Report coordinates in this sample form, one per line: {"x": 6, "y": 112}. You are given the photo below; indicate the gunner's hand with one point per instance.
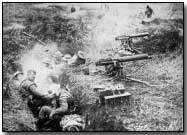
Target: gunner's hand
{"x": 49, "y": 96}
{"x": 51, "y": 116}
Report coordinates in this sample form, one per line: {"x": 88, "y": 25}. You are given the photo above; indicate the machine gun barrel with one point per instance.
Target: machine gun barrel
{"x": 104, "y": 62}
{"x": 125, "y": 37}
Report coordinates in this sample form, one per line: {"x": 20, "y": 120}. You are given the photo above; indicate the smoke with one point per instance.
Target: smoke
{"x": 108, "y": 22}
{"x": 36, "y": 59}
{"x": 117, "y": 19}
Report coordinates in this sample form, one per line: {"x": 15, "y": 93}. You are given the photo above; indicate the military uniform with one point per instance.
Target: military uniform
{"x": 29, "y": 94}
{"x": 59, "y": 105}
{"x": 25, "y": 91}
{"x": 149, "y": 12}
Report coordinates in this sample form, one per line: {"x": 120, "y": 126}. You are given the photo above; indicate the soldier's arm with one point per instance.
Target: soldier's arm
{"x": 62, "y": 109}
{"x": 58, "y": 111}
{"x": 63, "y": 106}
{"x": 34, "y": 91}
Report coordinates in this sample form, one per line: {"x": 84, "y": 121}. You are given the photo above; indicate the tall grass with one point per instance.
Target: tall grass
{"x": 159, "y": 108}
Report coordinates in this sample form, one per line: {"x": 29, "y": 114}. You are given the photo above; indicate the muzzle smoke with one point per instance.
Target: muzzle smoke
{"x": 39, "y": 59}
{"x": 115, "y": 20}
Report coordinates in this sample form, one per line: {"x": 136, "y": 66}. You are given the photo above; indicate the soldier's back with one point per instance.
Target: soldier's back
{"x": 25, "y": 88}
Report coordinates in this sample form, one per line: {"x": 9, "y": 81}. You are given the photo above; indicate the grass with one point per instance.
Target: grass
{"x": 16, "y": 114}
{"x": 159, "y": 108}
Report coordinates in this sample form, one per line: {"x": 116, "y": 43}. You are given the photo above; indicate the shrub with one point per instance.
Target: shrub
{"x": 162, "y": 41}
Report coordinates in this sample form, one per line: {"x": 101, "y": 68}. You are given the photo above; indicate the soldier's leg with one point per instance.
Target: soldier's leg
{"x": 44, "y": 123}
{"x": 34, "y": 109}
{"x": 61, "y": 110}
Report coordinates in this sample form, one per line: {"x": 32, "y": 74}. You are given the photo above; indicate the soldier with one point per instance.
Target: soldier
{"x": 149, "y": 11}
{"x": 50, "y": 115}
{"x": 59, "y": 105}
{"x": 12, "y": 83}
{"x": 17, "y": 78}
{"x": 73, "y": 9}
{"x": 30, "y": 93}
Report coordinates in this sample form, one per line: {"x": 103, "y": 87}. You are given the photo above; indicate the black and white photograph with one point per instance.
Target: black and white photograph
{"x": 89, "y": 67}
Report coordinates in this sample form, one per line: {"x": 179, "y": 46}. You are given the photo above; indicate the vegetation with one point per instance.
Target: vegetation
{"x": 164, "y": 41}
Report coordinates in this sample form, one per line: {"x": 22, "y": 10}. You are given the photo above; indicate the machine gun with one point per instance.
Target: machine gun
{"x": 104, "y": 62}
{"x": 127, "y": 42}
{"x": 114, "y": 66}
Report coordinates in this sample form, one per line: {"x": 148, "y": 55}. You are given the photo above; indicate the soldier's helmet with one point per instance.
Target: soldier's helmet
{"x": 16, "y": 74}
{"x": 147, "y": 6}
{"x": 73, "y": 9}
{"x": 66, "y": 57}
{"x": 81, "y": 55}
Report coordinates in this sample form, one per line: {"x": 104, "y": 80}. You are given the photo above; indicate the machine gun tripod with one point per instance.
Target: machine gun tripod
{"x": 114, "y": 66}
{"x": 127, "y": 42}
